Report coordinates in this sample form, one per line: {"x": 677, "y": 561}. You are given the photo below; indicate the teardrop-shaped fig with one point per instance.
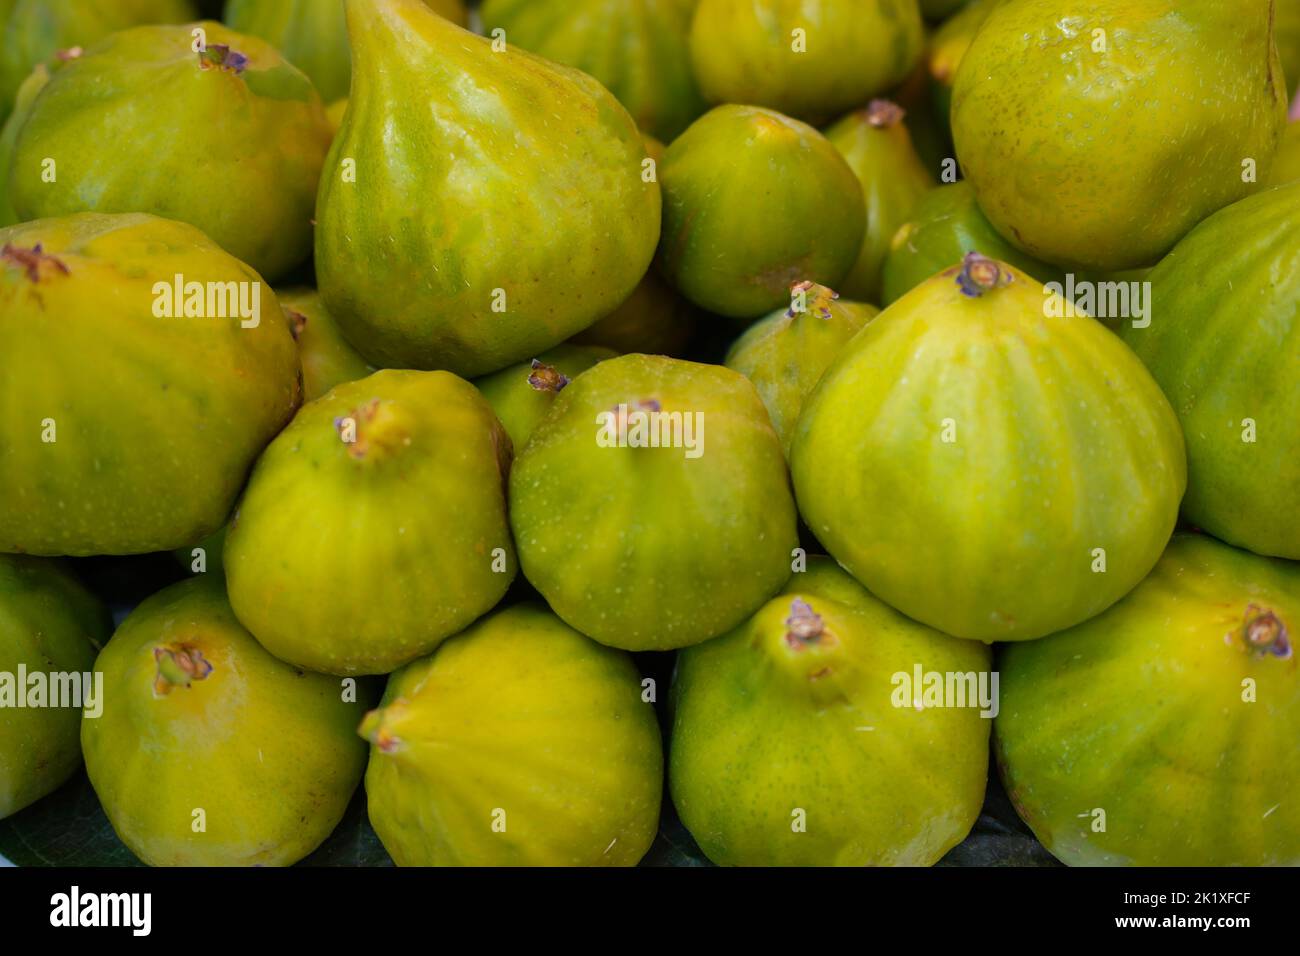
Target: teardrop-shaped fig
{"x": 479, "y": 205}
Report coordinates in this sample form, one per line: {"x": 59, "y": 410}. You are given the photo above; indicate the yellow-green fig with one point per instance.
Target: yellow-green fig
{"x": 207, "y": 126}
{"x": 655, "y": 320}
{"x": 878, "y": 148}
{"x": 803, "y": 737}
{"x": 50, "y": 630}
{"x": 651, "y": 506}
{"x": 988, "y": 462}
{"x": 1171, "y": 719}
{"x": 327, "y": 359}
{"x": 519, "y": 742}
{"x": 145, "y": 369}
{"x": 785, "y": 354}
{"x": 374, "y": 526}
{"x": 1091, "y": 134}
{"x": 209, "y": 751}
{"x": 811, "y": 59}
{"x": 636, "y": 48}
{"x": 478, "y": 207}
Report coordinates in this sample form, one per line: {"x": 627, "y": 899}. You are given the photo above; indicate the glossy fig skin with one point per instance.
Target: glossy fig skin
{"x": 9, "y": 137}
{"x": 768, "y": 721}
{"x": 943, "y": 226}
{"x": 1072, "y": 159}
{"x": 355, "y": 557}
{"x": 1223, "y": 342}
{"x": 230, "y": 144}
{"x": 744, "y": 51}
{"x": 156, "y": 420}
{"x": 327, "y": 359}
{"x": 312, "y": 35}
{"x": 498, "y": 205}
{"x": 953, "y": 419}
{"x": 49, "y": 623}
{"x": 636, "y": 48}
{"x": 522, "y": 394}
{"x": 197, "y": 716}
{"x": 519, "y": 742}
{"x": 754, "y": 202}
{"x": 878, "y": 148}
{"x": 1179, "y": 728}
{"x": 32, "y": 31}
{"x": 652, "y": 548}
{"x": 785, "y": 354}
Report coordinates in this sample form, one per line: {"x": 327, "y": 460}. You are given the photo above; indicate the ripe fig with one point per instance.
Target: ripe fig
{"x": 652, "y": 507}
{"x": 654, "y": 320}
{"x": 518, "y": 742}
{"x": 210, "y": 752}
{"x": 374, "y": 526}
{"x": 154, "y": 366}
{"x": 795, "y": 741}
{"x": 522, "y": 394}
{"x": 50, "y": 629}
{"x": 327, "y": 359}
{"x": 988, "y": 461}
{"x": 478, "y": 207}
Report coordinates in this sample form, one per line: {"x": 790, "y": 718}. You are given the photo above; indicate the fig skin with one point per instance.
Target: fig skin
{"x": 157, "y": 420}
{"x": 1144, "y": 713}
{"x": 357, "y": 557}
{"x": 644, "y": 548}
{"x": 967, "y": 455}
{"x": 1076, "y": 160}
{"x": 50, "y": 624}
{"x": 198, "y": 716}
{"x": 744, "y": 51}
{"x": 231, "y": 142}
{"x": 499, "y": 205}
{"x": 327, "y": 359}
{"x": 766, "y": 722}
{"x": 754, "y": 202}
{"x": 523, "y": 722}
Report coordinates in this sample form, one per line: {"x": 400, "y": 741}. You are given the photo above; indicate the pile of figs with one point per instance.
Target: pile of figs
{"x": 556, "y": 417}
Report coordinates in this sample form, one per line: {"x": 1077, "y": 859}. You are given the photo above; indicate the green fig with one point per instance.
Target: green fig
{"x": 754, "y": 202}
{"x": 1286, "y": 161}
{"x": 811, "y": 60}
{"x": 205, "y": 556}
{"x": 313, "y": 35}
{"x": 988, "y": 461}
{"x": 327, "y": 359}
{"x": 636, "y": 48}
{"x": 31, "y": 31}
{"x": 522, "y": 394}
{"x": 478, "y": 207}
{"x": 878, "y": 149}
{"x": 200, "y": 724}
{"x": 1176, "y": 712}
{"x": 785, "y": 354}
{"x": 148, "y": 369}
{"x": 229, "y": 139}
{"x": 944, "y": 226}
{"x": 1223, "y": 341}
{"x": 49, "y": 626}
{"x": 519, "y": 742}
{"x": 651, "y": 507}
{"x": 9, "y": 137}
{"x": 374, "y": 526}
{"x": 1089, "y": 131}
{"x": 654, "y": 320}
{"x": 795, "y": 741}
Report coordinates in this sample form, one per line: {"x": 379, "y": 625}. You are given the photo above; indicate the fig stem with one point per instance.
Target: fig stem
{"x": 1265, "y": 632}
{"x": 546, "y": 378}
{"x": 816, "y": 298}
{"x": 804, "y": 625}
{"x": 980, "y": 274}
{"x": 179, "y": 665}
